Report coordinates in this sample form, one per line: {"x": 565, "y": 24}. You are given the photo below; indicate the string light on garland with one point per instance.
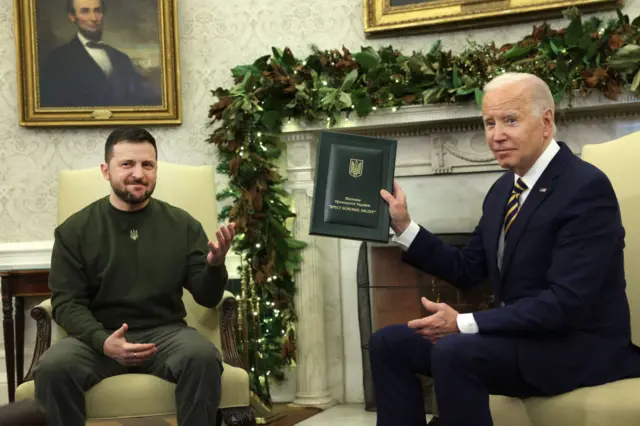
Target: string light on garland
{"x": 589, "y": 54}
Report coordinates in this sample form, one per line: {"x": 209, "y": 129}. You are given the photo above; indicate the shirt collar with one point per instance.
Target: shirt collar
{"x": 534, "y": 173}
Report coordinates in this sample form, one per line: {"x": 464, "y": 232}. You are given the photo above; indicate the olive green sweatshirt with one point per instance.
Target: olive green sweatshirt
{"x": 110, "y": 267}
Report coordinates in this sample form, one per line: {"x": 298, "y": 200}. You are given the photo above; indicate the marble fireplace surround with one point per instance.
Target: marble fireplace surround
{"x": 445, "y": 168}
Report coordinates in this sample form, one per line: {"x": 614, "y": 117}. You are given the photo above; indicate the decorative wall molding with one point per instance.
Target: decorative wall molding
{"x": 25, "y": 255}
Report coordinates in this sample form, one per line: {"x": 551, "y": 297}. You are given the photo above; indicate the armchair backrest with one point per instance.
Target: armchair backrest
{"x": 618, "y": 159}
{"x": 192, "y": 188}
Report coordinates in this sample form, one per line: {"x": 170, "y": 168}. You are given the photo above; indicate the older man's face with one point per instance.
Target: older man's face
{"x": 88, "y": 18}
{"x": 514, "y": 134}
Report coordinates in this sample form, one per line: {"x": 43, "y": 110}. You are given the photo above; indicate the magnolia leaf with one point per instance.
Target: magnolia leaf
{"x": 368, "y": 58}
{"x": 345, "y": 99}
{"x": 431, "y": 95}
{"x": 242, "y": 71}
{"x": 436, "y": 47}
{"x": 636, "y": 82}
{"x": 518, "y": 52}
{"x": 462, "y": 91}
{"x": 362, "y": 104}
{"x": 295, "y": 244}
{"x": 349, "y": 80}
{"x": 249, "y": 82}
{"x": 479, "y": 96}
{"x": 558, "y": 97}
{"x": 456, "y": 78}
{"x": 574, "y": 32}
{"x": 562, "y": 68}
{"x": 277, "y": 53}
{"x": 416, "y": 64}
{"x": 271, "y": 120}
{"x": 261, "y": 64}
{"x": 636, "y": 22}
{"x": 288, "y": 58}
{"x": 554, "y": 48}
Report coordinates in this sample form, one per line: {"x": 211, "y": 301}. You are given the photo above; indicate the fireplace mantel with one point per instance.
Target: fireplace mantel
{"x": 454, "y": 116}
{"x": 433, "y": 140}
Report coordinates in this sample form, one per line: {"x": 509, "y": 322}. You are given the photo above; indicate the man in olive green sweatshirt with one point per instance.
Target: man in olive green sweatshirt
{"x": 118, "y": 269}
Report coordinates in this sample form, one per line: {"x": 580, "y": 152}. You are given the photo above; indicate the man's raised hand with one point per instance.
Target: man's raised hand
{"x": 218, "y": 251}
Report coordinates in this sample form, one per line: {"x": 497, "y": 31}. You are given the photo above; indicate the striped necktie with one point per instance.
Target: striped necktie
{"x": 513, "y": 206}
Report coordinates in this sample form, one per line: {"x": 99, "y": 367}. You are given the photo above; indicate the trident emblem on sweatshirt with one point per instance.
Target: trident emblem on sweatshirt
{"x": 133, "y": 234}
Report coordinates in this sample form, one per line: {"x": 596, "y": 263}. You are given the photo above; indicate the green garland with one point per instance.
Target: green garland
{"x": 586, "y": 55}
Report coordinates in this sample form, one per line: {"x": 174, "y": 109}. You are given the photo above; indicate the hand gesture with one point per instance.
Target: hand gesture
{"x": 116, "y": 347}
{"x": 219, "y": 250}
{"x": 397, "y": 208}
{"x": 443, "y": 321}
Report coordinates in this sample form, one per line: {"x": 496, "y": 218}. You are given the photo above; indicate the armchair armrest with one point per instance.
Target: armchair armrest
{"x": 42, "y": 314}
{"x": 228, "y": 307}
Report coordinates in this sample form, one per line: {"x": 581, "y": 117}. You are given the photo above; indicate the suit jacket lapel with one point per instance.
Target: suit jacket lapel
{"x": 540, "y": 191}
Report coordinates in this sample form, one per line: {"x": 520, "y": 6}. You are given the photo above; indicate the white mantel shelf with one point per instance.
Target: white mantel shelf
{"x": 583, "y": 107}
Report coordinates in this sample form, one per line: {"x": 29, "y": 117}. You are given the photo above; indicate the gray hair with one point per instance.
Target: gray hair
{"x": 541, "y": 95}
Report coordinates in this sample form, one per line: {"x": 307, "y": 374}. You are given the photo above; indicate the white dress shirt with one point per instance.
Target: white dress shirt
{"x": 466, "y": 322}
{"x": 99, "y": 55}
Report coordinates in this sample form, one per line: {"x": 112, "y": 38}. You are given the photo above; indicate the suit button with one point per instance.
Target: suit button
{"x": 502, "y": 304}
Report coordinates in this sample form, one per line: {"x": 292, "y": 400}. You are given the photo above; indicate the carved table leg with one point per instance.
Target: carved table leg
{"x": 19, "y": 333}
{"x": 7, "y": 322}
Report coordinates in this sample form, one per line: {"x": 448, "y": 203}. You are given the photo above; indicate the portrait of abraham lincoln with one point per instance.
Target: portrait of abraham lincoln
{"x": 98, "y": 53}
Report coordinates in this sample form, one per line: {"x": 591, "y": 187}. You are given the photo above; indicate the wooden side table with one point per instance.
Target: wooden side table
{"x": 17, "y": 285}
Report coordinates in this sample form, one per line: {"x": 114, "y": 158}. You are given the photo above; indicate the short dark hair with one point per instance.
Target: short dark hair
{"x": 71, "y": 9}
{"x": 129, "y": 135}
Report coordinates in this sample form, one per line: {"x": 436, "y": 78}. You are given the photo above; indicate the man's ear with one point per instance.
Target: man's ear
{"x": 105, "y": 171}
{"x": 548, "y": 118}
{"x": 72, "y": 17}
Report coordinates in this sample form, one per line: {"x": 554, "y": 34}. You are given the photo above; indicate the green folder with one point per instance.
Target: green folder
{"x": 350, "y": 172}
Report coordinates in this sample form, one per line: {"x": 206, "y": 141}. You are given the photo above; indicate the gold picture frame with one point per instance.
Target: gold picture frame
{"x": 97, "y": 62}
{"x": 382, "y": 17}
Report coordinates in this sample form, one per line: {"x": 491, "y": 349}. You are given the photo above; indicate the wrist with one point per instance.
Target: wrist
{"x": 400, "y": 227}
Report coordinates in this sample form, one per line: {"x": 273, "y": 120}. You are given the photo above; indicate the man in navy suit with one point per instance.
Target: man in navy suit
{"x": 86, "y": 72}
{"x": 551, "y": 241}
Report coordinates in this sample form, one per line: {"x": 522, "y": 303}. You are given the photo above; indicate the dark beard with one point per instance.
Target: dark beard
{"x": 93, "y": 36}
{"x": 129, "y": 198}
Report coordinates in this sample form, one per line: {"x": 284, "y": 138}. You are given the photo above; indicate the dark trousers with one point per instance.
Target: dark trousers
{"x": 465, "y": 368}
{"x": 185, "y": 357}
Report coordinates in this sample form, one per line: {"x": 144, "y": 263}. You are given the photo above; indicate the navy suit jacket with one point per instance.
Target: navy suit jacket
{"x": 560, "y": 296}
{"x": 71, "y": 78}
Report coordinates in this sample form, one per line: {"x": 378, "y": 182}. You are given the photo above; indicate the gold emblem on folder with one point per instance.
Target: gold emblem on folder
{"x": 355, "y": 167}
{"x": 133, "y": 234}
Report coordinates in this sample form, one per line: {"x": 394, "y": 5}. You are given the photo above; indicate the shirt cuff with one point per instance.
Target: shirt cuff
{"x": 406, "y": 238}
{"x": 467, "y": 324}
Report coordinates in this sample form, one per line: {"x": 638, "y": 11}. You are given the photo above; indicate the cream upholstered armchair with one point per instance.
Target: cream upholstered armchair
{"x": 616, "y": 403}
{"x": 138, "y": 395}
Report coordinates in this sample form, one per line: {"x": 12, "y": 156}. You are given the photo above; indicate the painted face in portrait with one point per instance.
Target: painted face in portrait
{"x": 132, "y": 172}
{"x": 88, "y": 16}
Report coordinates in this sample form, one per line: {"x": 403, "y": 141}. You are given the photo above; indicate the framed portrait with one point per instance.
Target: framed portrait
{"x": 422, "y": 16}
{"x": 97, "y": 62}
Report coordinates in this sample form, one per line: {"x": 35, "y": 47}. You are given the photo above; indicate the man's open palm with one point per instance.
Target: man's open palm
{"x": 116, "y": 347}
{"x": 218, "y": 251}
